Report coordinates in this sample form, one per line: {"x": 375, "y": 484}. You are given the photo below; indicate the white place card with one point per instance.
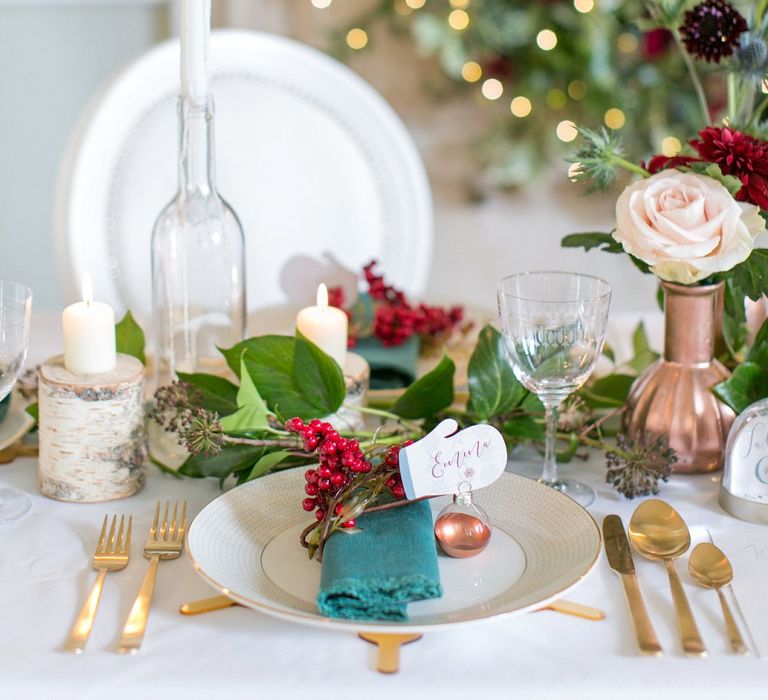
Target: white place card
{"x": 445, "y": 459}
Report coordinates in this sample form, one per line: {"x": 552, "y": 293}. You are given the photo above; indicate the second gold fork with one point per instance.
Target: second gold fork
{"x": 164, "y": 541}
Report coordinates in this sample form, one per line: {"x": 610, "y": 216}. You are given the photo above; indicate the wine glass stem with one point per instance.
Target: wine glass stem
{"x": 549, "y": 473}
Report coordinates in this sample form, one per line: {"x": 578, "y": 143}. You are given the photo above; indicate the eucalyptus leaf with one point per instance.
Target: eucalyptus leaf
{"x": 229, "y": 460}
{"x": 267, "y": 463}
{"x": 568, "y": 453}
{"x": 34, "y": 410}
{"x": 317, "y": 375}
{"x": 428, "y": 394}
{"x": 610, "y": 391}
{"x": 252, "y": 412}
{"x": 129, "y": 338}
{"x": 214, "y": 393}
{"x": 747, "y": 384}
{"x": 280, "y": 374}
{"x": 608, "y": 352}
{"x": 524, "y": 427}
{"x": 493, "y": 387}
{"x": 593, "y": 239}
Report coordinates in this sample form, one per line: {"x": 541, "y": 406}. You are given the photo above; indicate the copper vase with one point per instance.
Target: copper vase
{"x": 673, "y": 397}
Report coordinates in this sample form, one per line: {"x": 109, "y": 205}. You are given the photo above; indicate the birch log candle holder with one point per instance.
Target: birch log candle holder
{"x": 92, "y": 439}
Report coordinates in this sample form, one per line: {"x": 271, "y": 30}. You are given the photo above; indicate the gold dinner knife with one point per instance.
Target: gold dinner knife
{"x": 620, "y": 560}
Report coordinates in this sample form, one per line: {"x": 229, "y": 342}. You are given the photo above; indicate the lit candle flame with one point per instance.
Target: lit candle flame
{"x": 87, "y": 289}
{"x": 322, "y": 296}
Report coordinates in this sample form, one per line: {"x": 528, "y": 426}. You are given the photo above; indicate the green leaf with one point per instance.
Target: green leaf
{"x": 644, "y": 356}
{"x": 493, "y": 387}
{"x": 640, "y": 339}
{"x": 731, "y": 183}
{"x": 594, "y": 239}
{"x": 733, "y": 301}
{"x": 735, "y": 335}
{"x": 751, "y": 276}
{"x": 215, "y": 393}
{"x": 524, "y": 428}
{"x": 747, "y": 384}
{"x": 34, "y": 410}
{"x": 268, "y": 462}
{"x": 608, "y": 392}
{"x": 428, "y": 394}
{"x": 567, "y": 454}
{"x": 317, "y": 375}
{"x": 281, "y": 377}
{"x": 252, "y": 412}
{"x": 130, "y": 338}
{"x": 229, "y": 460}
{"x": 608, "y": 352}
{"x": 532, "y": 404}
{"x": 758, "y": 353}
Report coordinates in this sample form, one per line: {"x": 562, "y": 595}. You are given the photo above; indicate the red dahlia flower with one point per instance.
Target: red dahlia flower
{"x": 740, "y": 155}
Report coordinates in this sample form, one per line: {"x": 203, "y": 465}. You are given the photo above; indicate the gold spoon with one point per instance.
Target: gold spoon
{"x": 711, "y": 568}
{"x": 657, "y": 531}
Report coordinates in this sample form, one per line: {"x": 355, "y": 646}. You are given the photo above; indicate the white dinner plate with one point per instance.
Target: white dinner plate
{"x": 245, "y": 543}
{"x": 320, "y": 169}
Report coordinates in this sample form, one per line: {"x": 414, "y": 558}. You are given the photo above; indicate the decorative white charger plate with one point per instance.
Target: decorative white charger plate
{"x": 319, "y": 168}
{"x": 245, "y": 543}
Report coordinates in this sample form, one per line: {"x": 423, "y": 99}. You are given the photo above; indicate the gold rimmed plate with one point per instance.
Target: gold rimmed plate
{"x": 245, "y": 544}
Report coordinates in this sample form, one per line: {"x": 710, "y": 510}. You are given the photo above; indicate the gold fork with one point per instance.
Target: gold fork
{"x": 163, "y": 542}
{"x": 112, "y": 553}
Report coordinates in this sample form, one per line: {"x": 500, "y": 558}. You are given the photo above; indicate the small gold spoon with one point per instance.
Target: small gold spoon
{"x": 710, "y": 567}
{"x": 657, "y": 531}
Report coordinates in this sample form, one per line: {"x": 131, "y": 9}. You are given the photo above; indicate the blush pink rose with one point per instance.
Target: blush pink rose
{"x": 685, "y": 226}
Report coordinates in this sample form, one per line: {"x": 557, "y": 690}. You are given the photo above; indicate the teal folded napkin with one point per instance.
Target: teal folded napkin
{"x": 374, "y": 573}
{"x": 392, "y": 367}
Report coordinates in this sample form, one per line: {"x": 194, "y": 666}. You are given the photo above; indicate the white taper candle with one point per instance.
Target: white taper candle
{"x": 195, "y": 29}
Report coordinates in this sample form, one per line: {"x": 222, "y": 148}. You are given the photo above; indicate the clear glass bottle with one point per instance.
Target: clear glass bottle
{"x": 198, "y": 259}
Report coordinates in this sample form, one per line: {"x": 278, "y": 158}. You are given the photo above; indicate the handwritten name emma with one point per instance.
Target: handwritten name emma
{"x": 458, "y": 459}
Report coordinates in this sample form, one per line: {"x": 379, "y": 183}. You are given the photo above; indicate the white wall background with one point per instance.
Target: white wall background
{"x": 54, "y": 55}
{"x": 53, "y": 58}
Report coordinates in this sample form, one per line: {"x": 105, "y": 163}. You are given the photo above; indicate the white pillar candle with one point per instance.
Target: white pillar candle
{"x": 195, "y": 28}
{"x": 89, "y": 335}
{"x": 325, "y": 326}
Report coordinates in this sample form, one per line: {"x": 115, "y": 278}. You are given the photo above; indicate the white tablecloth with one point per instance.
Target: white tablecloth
{"x": 239, "y": 653}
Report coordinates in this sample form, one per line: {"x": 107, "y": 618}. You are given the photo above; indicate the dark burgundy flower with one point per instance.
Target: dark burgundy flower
{"x": 656, "y": 42}
{"x": 740, "y": 155}
{"x": 711, "y": 30}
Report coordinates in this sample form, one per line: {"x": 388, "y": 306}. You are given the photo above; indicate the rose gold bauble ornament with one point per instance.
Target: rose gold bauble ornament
{"x": 462, "y": 529}
{"x": 673, "y": 398}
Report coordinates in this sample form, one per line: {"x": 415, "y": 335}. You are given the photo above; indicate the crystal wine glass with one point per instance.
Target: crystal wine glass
{"x": 15, "y": 307}
{"x": 553, "y": 325}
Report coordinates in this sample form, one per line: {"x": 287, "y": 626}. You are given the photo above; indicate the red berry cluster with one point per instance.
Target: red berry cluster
{"x": 336, "y": 297}
{"x": 392, "y": 460}
{"x": 340, "y": 460}
{"x": 396, "y": 319}
{"x": 379, "y": 290}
